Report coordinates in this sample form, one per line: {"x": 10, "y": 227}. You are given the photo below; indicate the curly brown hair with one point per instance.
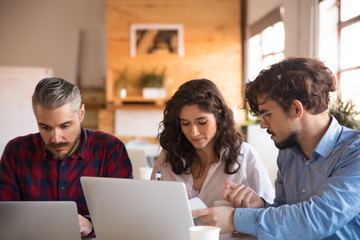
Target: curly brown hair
{"x": 205, "y": 94}
{"x": 305, "y": 79}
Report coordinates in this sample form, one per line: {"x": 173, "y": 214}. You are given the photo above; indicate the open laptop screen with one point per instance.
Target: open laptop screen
{"x": 137, "y": 209}
{"x": 39, "y": 220}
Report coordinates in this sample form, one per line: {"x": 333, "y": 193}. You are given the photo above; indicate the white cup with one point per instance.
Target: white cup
{"x": 204, "y": 233}
{"x": 145, "y": 173}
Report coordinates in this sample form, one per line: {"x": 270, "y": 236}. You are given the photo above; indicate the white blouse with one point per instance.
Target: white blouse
{"x": 251, "y": 173}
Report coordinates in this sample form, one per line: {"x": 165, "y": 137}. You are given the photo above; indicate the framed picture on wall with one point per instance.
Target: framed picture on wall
{"x": 156, "y": 39}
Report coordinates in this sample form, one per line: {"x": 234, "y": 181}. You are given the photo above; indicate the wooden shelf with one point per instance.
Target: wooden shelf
{"x": 93, "y": 98}
{"x": 137, "y": 102}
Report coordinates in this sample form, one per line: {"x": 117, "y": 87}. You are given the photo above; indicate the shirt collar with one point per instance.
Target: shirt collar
{"x": 329, "y": 139}
{"x": 327, "y": 142}
{"x": 79, "y": 154}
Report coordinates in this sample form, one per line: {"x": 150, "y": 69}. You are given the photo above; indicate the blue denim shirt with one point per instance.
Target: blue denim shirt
{"x": 315, "y": 199}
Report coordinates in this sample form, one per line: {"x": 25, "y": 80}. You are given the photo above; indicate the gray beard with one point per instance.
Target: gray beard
{"x": 59, "y": 156}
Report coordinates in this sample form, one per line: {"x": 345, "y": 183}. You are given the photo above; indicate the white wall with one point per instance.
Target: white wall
{"x": 261, "y": 141}
{"x": 300, "y": 22}
{"x": 256, "y": 9}
{"x": 301, "y": 25}
{"x": 45, "y": 33}
{"x": 137, "y": 122}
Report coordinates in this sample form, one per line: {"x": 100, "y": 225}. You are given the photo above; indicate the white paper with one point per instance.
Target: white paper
{"x": 196, "y": 203}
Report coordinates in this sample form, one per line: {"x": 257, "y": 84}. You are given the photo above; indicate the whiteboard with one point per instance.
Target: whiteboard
{"x": 17, "y": 85}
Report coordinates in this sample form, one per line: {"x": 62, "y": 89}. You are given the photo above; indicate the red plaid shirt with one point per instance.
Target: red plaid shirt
{"x": 29, "y": 173}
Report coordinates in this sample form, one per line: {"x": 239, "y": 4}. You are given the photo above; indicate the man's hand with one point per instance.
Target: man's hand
{"x": 241, "y": 196}
{"x": 222, "y": 217}
{"x": 86, "y": 226}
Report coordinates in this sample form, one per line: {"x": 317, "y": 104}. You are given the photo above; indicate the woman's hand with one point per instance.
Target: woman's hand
{"x": 241, "y": 196}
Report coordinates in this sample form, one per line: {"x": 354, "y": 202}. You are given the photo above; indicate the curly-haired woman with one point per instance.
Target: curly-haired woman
{"x": 203, "y": 149}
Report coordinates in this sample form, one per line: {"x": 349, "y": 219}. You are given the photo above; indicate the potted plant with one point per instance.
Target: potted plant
{"x": 121, "y": 82}
{"x": 345, "y": 113}
{"x": 152, "y": 84}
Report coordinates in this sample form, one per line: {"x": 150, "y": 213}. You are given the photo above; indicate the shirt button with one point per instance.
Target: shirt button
{"x": 62, "y": 188}
{"x": 303, "y": 190}
{"x": 307, "y": 163}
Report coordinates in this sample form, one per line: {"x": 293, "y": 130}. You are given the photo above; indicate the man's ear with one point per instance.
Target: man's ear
{"x": 298, "y": 108}
{"x": 82, "y": 112}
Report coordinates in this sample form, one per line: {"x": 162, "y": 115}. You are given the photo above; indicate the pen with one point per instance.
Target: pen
{"x": 158, "y": 176}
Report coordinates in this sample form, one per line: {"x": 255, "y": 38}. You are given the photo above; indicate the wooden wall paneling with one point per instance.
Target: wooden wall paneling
{"x": 212, "y": 42}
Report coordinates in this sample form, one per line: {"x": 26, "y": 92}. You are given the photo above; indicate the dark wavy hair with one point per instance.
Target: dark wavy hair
{"x": 204, "y": 94}
{"x": 305, "y": 79}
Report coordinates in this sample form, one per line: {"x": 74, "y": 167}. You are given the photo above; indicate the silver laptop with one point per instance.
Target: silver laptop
{"x": 41, "y": 220}
{"x": 137, "y": 209}
{"x": 138, "y": 160}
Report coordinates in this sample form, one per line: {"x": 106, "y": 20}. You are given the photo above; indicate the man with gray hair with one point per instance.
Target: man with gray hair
{"x": 47, "y": 166}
